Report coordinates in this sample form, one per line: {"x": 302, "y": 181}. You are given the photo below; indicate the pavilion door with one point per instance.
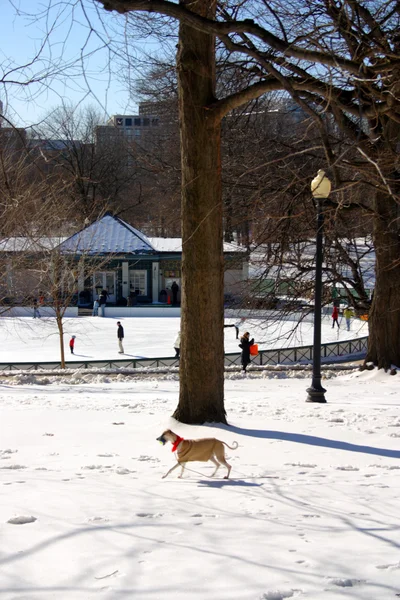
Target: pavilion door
{"x": 105, "y": 280}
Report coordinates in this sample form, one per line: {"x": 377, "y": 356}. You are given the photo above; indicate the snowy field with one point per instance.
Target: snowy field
{"x": 26, "y": 339}
{"x": 312, "y": 510}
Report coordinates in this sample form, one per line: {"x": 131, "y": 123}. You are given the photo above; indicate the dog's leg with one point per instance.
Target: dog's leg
{"x": 220, "y": 456}
{"x": 217, "y": 465}
{"x": 183, "y": 468}
{"x": 170, "y": 471}
{"x": 228, "y": 466}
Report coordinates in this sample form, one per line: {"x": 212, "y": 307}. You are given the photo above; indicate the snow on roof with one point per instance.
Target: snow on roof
{"x": 175, "y": 245}
{"x": 166, "y": 244}
{"x": 109, "y": 235}
{"x": 26, "y": 244}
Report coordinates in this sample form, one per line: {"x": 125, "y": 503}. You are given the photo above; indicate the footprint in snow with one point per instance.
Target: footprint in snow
{"x": 107, "y": 455}
{"x": 98, "y": 520}
{"x": 303, "y": 465}
{"x": 22, "y": 520}
{"x": 7, "y": 453}
{"x": 344, "y": 582}
{"x": 347, "y": 468}
{"x": 145, "y": 458}
{"x": 123, "y": 471}
{"x": 280, "y": 594}
{"x": 14, "y": 467}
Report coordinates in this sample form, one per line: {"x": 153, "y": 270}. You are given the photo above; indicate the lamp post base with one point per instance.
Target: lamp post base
{"x": 316, "y": 394}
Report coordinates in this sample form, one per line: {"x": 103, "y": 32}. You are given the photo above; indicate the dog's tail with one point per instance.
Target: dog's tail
{"x": 235, "y": 445}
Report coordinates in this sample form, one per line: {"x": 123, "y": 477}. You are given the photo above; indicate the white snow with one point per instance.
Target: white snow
{"x": 24, "y": 339}
{"x": 311, "y": 510}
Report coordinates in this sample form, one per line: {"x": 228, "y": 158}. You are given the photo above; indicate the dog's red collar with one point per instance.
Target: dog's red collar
{"x": 176, "y": 443}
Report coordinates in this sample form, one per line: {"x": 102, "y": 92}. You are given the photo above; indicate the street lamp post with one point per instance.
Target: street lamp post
{"x": 320, "y": 188}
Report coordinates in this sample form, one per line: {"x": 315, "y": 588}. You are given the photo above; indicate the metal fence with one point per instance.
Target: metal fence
{"x": 352, "y": 349}
{"x": 356, "y": 348}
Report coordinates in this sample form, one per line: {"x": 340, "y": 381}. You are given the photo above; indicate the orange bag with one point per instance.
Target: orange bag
{"x": 254, "y": 349}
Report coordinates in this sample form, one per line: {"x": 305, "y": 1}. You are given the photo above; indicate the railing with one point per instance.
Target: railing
{"x": 352, "y": 349}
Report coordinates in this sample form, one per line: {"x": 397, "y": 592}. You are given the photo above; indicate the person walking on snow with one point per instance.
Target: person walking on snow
{"x": 95, "y": 308}
{"x": 348, "y": 313}
{"x": 177, "y": 344}
{"x": 245, "y": 344}
{"x": 36, "y": 312}
{"x": 120, "y": 336}
{"x": 72, "y": 343}
{"x": 335, "y": 317}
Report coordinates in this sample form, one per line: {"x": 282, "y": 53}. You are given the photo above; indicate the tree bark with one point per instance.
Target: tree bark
{"x": 60, "y": 326}
{"x": 384, "y": 316}
{"x": 201, "y": 395}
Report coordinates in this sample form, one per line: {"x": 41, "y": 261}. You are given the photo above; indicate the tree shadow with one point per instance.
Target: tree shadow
{"x": 312, "y": 440}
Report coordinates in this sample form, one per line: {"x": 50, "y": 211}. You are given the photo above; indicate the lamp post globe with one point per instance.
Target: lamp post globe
{"x": 321, "y": 185}
{"x": 320, "y": 189}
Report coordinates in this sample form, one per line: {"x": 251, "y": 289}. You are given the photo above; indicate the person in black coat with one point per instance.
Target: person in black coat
{"x": 103, "y": 297}
{"x": 175, "y": 290}
{"x": 120, "y": 336}
{"x": 245, "y": 344}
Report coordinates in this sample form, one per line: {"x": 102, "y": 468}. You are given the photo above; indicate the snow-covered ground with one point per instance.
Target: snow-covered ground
{"x": 311, "y": 510}
{"x": 25, "y": 338}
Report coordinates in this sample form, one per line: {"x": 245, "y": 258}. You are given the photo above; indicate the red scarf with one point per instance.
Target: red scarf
{"x": 176, "y": 443}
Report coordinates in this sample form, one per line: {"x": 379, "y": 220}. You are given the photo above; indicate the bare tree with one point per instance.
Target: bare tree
{"x": 339, "y": 62}
{"x": 67, "y": 149}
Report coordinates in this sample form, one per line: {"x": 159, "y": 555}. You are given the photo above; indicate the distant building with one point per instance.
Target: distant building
{"x": 134, "y": 266}
{"x": 13, "y": 141}
{"x": 119, "y": 258}
{"x": 132, "y": 131}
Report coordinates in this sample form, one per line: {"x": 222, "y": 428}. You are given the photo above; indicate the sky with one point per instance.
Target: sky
{"x": 310, "y": 512}
{"x": 79, "y": 42}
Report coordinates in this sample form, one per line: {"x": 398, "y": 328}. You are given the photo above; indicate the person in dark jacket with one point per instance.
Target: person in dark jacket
{"x": 174, "y": 290}
{"x": 103, "y": 297}
{"x": 36, "y": 312}
{"x": 120, "y": 336}
{"x": 245, "y": 344}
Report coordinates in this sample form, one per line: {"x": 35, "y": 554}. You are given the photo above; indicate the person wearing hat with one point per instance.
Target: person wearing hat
{"x": 72, "y": 343}
{"x": 120, "y": 336}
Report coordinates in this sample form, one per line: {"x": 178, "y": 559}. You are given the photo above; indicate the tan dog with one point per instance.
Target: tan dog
{"x": 196, "y": 450}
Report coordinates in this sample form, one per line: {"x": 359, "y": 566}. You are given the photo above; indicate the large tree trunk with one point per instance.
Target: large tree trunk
{"x": 201, "y": 396}
{"x": 384, "y": 317}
